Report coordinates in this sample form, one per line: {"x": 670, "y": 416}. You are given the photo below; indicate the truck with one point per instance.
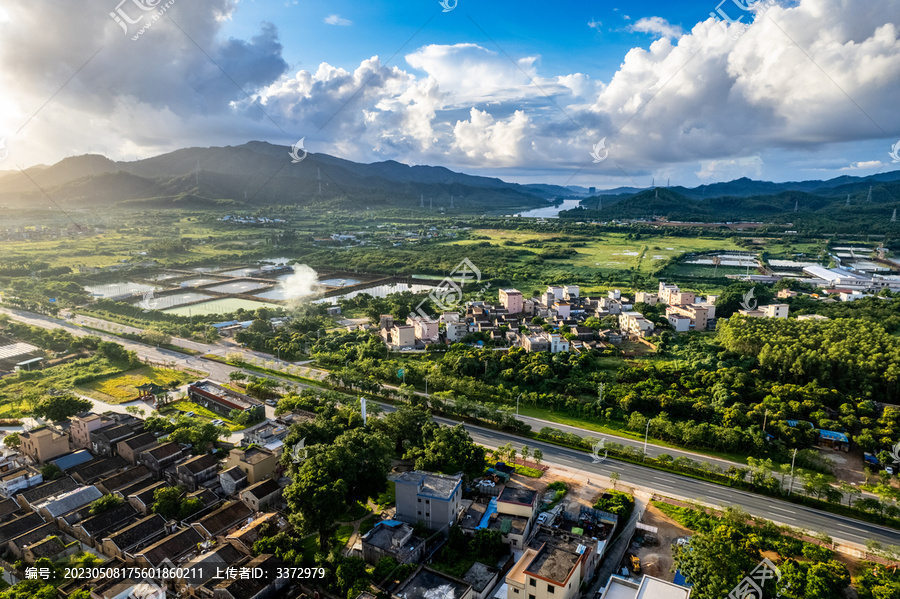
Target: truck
{"x": 869, "y": 459}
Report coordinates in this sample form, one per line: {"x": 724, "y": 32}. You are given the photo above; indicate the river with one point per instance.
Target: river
{"x": 551, "y": 211}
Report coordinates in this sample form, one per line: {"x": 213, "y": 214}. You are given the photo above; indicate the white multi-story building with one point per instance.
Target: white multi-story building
{"x": 456, "y": 331}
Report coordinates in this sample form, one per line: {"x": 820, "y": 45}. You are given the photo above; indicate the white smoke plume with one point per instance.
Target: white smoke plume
{"x": 299, "y": 286}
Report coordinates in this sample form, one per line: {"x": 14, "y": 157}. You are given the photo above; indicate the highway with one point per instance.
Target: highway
{"x": 681, "y": 487}
{"x": 673, "y": 485}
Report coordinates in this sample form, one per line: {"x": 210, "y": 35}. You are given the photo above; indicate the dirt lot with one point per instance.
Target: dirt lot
{"x": 657, "y": 560}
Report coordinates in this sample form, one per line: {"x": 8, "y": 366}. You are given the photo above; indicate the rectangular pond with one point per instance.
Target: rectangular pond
{"x": 380, "y": 291}
{"x": 219, "y": 306}
{"x": 340, "y": 282}
{"x": 239, "y": 287}
{"x": 177, "y": 299}
{"x": 116, "y": 289}
{"x": 197, "y": 282}
{"x": 240, "y": 272}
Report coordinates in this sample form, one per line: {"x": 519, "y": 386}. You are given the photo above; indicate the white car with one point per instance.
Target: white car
{"x": 217, "y": 422}
{"x": 889, "y": 470}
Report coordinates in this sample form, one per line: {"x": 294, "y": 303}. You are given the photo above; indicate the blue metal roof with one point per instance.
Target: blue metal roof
{"x": 833, "y": 436}
{"x": 73, "y": 459}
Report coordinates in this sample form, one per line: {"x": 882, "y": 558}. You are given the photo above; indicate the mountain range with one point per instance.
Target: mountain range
{"x": 259, "y": 173}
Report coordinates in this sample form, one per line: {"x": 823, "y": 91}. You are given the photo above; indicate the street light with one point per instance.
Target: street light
{"x": 646, "y": 435}
{"x": 517, "y": 404}
{"x": 426, "y": 384}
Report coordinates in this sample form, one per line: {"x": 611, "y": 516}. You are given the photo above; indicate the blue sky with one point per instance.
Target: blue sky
{"x": 588, "y": 93}
{"x": 561, "y": 36}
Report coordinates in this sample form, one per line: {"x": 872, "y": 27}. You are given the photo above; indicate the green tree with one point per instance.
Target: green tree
{"x": 105, "y": 503}
{"x": 60, "y": 407}
{"x": 538, "y": 456}
{"x": 450, "y": 450}
{"x": 384, "y": 568}
{"x": 155, "y": 337}
{"x": 350, "y": 572}
{"x": 488, "y": 545}
{"x": 50, "y": 471}
{"x": 167, "y": 502}
{"x": 715, "y": 561}
{"x": 406, "y": 427}
{"x": 11, "y": 440}
{"x": 30, "y": 589}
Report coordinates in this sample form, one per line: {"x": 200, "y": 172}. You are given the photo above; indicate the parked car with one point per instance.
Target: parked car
{"x": 217, "y": 422}
{"x": 190, "y": 414}
{"x": 889, "y": 470}
{"x": 271, "y": 402}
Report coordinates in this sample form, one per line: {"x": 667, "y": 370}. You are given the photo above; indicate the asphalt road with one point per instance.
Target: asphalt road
{"x": 680, "y": 487}
{"x": 837, "y": 527}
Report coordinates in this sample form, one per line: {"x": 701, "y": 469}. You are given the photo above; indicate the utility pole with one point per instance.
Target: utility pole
{"x": 426, "y": 385}
{"x": 517, "y": 404}
{"x": 791, "y": 489}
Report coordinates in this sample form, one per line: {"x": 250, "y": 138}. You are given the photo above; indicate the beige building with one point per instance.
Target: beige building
{"x": 257, "y": 463}
{"x": 699, "y": 315}
{"x": 545, "y": 574}
{"x": 425, "y": 328}
{"x": 403, "y": 336}
{"x": 651, "y": 299}
{"x": 82, "y": 426}
{"x": 511, "y": 299}
{"x": 634, "y": 323}
{"x": 770, "y": 311}
{"x": 43, "y": 444}
{"x": 674, "y": 296}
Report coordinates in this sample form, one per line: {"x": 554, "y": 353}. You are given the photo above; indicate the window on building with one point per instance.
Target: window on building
{"x": 532, "y": 582}
{"x": 419, "y": 500}
{"x": 427, "y": 514}
{"x": 530, "y": 596}
{"x": 427, "y": 501}
{"x": 420, "y": 512}
{"x": 550, "y": 589}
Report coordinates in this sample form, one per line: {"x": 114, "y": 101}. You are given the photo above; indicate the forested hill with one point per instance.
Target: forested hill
{"x": 847, "y": 207}
{"x": 259, "y": 173}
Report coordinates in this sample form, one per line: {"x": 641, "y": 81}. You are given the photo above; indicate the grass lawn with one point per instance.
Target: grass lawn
{"x": 201, "y": 413}
{"x": 122, "y": 388}
{"x": 388, "y": 497}
{"x": 529, "y": 472}
{"x": 368, "y": 524}
{"x": 354, "y": 513}
{"x": 343, "y": 535}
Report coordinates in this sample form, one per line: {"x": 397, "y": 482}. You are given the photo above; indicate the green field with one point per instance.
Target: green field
{"x": 122, "y": 388}
{"x": 201, "y": 413}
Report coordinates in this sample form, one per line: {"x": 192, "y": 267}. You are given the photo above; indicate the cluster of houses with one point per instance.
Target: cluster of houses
{"x": 99, "y": 455}
{"x": 509, "y": 322}
{"x": 554, "y": 553}
{"x": 37, "y": 232}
